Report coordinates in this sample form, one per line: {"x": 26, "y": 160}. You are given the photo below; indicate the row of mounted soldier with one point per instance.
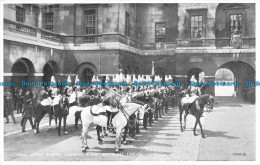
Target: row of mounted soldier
{"x": 105, "y": 102}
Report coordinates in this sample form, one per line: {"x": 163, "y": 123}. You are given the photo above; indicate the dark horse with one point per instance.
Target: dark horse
{"x": 60, "y": 111}
{"x": 196, "y": 109}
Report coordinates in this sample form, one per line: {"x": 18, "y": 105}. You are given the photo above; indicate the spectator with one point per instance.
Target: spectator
{"x": 34, "y": 101}
{"x": 20, "y": 101}
{"x": 9, "y": 107}
{"x": 27, "y": 112}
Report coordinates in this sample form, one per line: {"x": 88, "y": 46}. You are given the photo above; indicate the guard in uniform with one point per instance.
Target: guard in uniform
{"x": 27, "y": 113}
{"x": 8, "y": 107}
{"x": 20, "y": 97}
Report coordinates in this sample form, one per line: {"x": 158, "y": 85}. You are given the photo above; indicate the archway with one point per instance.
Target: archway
{"x": 85, "y": 71}
{"x": 87, "y": 75}
{"x": 199, "y": 74}
{"x": 227, "y": 76}
{"x": 161, "y": 72}
{"x": 22, "y": 69}
{"x": 243, "y": 72}
{"x": 49, "y": 69}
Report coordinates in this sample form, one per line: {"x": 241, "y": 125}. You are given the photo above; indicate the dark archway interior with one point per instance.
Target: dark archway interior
{"x": 22, "y": 69}
{"x": 161, "y": 73}
{"x": 194, "y": 71}
{"x": 87, "y": 75}
{"x": 49, "y": 69}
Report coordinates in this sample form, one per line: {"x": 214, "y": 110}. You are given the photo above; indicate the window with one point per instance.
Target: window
{"x": 196, "y": 26}
{"x": 235, "y": 22}
{"x": 127, "y": 24}
{"x": 48, "y": 21}
{"x": 90, "y": 25}
{"x": 20, "y": 14}
{"x": 160, "y": 32}
{"x": 87, "y": 75}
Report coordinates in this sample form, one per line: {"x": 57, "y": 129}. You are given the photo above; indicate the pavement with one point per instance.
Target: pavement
{"x": 230, "y": 131}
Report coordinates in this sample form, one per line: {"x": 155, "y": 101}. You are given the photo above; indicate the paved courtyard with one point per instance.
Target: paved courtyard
{"x": 230, "y": 131}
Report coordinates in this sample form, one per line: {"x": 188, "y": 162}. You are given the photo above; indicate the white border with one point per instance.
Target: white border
{"x": 257, "y": 19}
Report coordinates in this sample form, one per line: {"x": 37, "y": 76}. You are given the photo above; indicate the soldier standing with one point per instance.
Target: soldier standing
{"x": 34, "y": 101}
{"x": 20, "y": 101}
{"x": 27, "y": 112}
{"x": 9, "y": 107}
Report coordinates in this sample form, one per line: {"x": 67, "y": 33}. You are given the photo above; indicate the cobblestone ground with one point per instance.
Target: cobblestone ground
{"x": 229, "y": 129}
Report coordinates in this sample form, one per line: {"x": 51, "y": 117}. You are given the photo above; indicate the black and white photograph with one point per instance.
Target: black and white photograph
{"x": 129, "y": 81}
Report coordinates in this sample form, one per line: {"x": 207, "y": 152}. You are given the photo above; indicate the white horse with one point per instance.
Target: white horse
{"x": 93, "y": 114}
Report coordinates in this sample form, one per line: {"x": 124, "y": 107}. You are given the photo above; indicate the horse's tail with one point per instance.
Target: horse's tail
{"x": 73, "y": 110}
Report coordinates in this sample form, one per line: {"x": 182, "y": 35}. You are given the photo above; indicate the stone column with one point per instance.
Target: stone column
{"x": 210, "y": 88}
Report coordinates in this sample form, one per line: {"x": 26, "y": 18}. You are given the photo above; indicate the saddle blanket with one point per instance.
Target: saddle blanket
{"x": 98, "y": 110}
{"x": 188, "y": 99}
{"x": 49, "y": 101}
{"x": 108, "y": 108}
{"x": 72, "y": 98}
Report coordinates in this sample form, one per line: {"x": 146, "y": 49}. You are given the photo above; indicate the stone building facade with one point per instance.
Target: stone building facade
{"x": 86, "y": 39}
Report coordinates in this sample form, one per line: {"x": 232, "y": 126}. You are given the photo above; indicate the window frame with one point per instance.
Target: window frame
{"x": 21, "y": 15}
{"x": 202, "y": 31}
{"x": 48, "y": 26}
{"x": 198, "y": 12}
{"x": 160, "y": 36}
{"x": 230, "y": 12}
{"x": 90, "y": 39}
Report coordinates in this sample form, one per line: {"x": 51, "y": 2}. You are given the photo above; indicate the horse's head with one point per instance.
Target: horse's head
{"x": 203, "y": 100}
{"x": 64, "y": 102}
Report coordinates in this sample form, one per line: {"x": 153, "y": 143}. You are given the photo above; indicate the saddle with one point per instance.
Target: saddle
{"x": 96, "y": 110}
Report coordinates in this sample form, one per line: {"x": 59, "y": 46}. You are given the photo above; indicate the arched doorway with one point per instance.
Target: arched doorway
{"x": 227, "y": 76}
{"x": 22, "y": 69}
{"x": 199, "y": 74}
{"x": 243, "y": 72}
{"x": 161, "y": 72}
{"x": 49, "y": 69}
{"x": 86, "y": 71}
{"x": 87, "y": 75}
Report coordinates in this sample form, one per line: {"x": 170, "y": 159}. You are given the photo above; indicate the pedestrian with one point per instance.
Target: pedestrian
{"x": 20, "y": 101}
{"x": 8, "y": 106}
{"x": 15, "y": 94}
{"x": 27, "y": 112}
{"x": 34, "y": 101}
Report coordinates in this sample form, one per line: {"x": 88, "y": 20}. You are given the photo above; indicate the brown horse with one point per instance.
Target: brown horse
{"x": 61, "y": 112}
{"x": 196, "y": 109}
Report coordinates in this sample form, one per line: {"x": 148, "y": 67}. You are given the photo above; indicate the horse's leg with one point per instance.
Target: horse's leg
{"x": 60, "y": 119}
{"x": 65, "y": 124}
{"x": 38, "y": 122}
{"x": 118, "y": 140}
{"x": 98, "y": 128}
{"x": 202, "y": 133}
{"x": 160, "y": 111}
{"x": 181, "y": 111}
{"x": 194, "y": 129}
{"x": 77, "y": 116}
{"x": 104, "y": 131}
{"x": 84, "y": 134}
{"x": 185, "y": 116}
{"x": 125, "y": 133}
{"x": 50, "y": 117}
{"x": 56, "y": 122}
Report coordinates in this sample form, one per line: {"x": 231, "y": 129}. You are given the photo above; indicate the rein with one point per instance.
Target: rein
{"x": 127, "y": 116}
